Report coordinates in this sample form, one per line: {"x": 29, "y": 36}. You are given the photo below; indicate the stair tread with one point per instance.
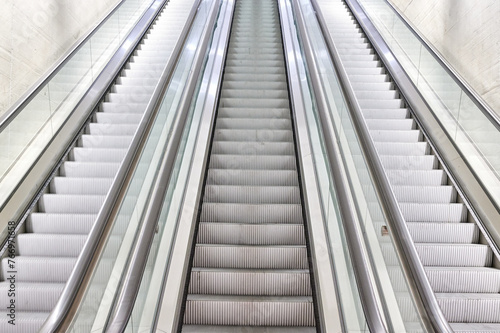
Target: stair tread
{"x": 249, "y": 298}
{"x": 239, "y": 329}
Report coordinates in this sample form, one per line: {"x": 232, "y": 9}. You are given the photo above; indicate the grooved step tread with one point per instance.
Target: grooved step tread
{"x": 240, "y": 329}
{"x": 250, "y": 234}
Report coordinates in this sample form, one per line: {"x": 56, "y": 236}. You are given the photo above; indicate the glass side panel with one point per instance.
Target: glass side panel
{"x": 474, "y": 134}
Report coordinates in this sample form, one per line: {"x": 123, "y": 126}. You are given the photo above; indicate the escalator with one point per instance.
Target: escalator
{"x": 56, "y": 230}
{"x": 250, "y": 266}
{"x": 459, "y": 264}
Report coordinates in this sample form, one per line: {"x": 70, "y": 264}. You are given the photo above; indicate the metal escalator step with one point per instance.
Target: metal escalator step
{"x": 251, "y": 234}
{"x": 252, "y": 194}
{"x": 138, "y": 74}
{"x": 400, "y": 113}
{"x": 254, "y": 161}
{"x": 371, "y": 71}
{"x": 445, "y": 255}
{"x": 140, "y": 97}
{"x": 361, "y": 64}
{"x": 268, "y": 37}
{"x": 249, "y": 310}
{"x": 250, "y": 213}
{"x": 80, "y": 154}
{"x": 257, "y": 63}
{"x": 411, "y": 162}
{"x": 380, "y": 104}
{"x": 267, "y": 103}
{"x": 139, "y": 87}
{"x": 391, "y": 124}
{"x": 439, "y": 232}
{"x": 425, "y": 194}
{"x": 371, "y": 78}
{"x": 455, "y": 255}
{"x": 253, "y": 85}
{"x": 398, "y": 135}
{"x": 253, "y": 148}
{"x": 253, "y": 49}
{"x": 250, "y": 256}
{"x": 123, "y": 108}
{"x": 33, "y": 297}
{"x": 212, "y": 281}
{"x": 239, "y": 329}
{"x": 246, "y": 113}
{"x": 364, "y": 57}
{"x": 67, "y": 185}
{"x": 50, "y": 245}
{"x": 464, "y": 279}
{"x": 89, "y": 169}
{"x": 119, "y": 118}
{"x": 416, "y": 177}
{"x": 346, "y": 45}
{"x": 434, "y": 212}
{"x": 254, "y": 93}
{"x": 247, "y": 56}
{"x": 252, "y": 69}
{"x": 404, "y": 148}
{"x": 40, "y": 269}
{"x": 253, "y": 123}
{"x": 469, "y": 307}
{"x": 252, "y": 177}
{"x": 44, "y": 223}
{"x": 253, "y": 135}
{"x": 26, "y": 322}
{"x": 111, "y": 129}
{"x": 475, "y": 327}
{"x": 254, "y": 77}
{"x": 70, "y": 203}
{"x": 105, "y": 141}
{"x": 361, "y": 86}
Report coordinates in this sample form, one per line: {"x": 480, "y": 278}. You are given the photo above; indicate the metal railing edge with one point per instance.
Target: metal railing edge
{"x": 82, "y": 266}
{"x": 420, "y": 286}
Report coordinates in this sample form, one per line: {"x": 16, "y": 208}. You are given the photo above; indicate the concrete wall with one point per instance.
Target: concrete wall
{"x": 467, "y": 34}
{"x": 34, "y": 34}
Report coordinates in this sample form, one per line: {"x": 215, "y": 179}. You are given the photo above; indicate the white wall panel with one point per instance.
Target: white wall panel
{"x": 34, "y": 34}
{"x": 467, "y": 34}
